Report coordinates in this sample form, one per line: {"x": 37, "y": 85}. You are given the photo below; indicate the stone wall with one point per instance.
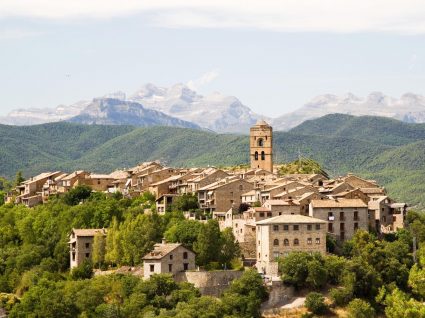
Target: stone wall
{"x": 209, "y": 283}
{"x": 279, "y": 295}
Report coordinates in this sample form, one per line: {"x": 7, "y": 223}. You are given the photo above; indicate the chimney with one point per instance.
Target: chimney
{"x": 164, "y": 241}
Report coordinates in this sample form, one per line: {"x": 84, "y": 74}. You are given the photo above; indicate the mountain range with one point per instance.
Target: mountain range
{"x": 181, "y": 106}
{"x": 384, "y": 149}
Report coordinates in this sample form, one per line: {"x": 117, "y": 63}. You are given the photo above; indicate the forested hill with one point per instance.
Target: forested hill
{"x": 388, "y": 150}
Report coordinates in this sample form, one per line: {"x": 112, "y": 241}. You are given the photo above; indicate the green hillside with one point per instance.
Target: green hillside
{"x": 387, "y": 150}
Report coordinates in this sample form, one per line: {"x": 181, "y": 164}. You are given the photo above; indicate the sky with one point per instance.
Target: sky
{"x": 274, "y": 55}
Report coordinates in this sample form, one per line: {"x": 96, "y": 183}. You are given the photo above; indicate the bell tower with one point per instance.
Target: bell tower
{"x": 261, "y": 146}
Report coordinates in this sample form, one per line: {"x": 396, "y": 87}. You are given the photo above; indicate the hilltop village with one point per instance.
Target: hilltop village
{"x": 270, "y": 215}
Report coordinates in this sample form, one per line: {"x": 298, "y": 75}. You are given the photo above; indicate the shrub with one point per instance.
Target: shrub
{"x": 358, "y": 308}
{"x": 82, "y": 271}
{"x": 315, "y": 302}
{"x": 340, "y": 296}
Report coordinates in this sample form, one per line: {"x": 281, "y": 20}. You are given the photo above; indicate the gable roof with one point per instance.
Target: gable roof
{"x": 162, "y": 249}
{"x": 290, "y": 218}
{"x": 339, "y": 203}
{"x": 88, "y": 232}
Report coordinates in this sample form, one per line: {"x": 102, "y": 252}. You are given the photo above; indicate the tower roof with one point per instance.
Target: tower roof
{"x": 261, "y": 122}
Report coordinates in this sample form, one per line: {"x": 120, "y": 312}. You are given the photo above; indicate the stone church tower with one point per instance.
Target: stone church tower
{"x": 261, "y": 146}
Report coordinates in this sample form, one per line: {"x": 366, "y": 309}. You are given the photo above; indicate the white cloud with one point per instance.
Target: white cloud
{"x": 399, "y": 16}
{"x": 203, "y": 80}
{"x": 6, "y": 34}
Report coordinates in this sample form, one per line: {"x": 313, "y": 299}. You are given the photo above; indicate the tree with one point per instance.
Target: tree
{"x": 359, "y": 308}
{"x": 99, "y": 249}
{"x": 82, "y": 271}
{"x": 401, "y": 305}
{"x": 77, "y": 194}
{"x": 294, "y": 268}
{"x": 208, "y": 244}
{"x": 317, "y": 274}
{"x": 244, "y": 296}
{"x": 417, "y": 280}
{"x": 113, "y": 250}
{"x": 185, "y": 232}
{"x": 315, "y": 302}
{"x": 229, "y": 247}
{"x": 18, "y": 179}
{"x": 243, "y": 207}
{"x": 302, "y": 165}
{"x": 186, "y": 202}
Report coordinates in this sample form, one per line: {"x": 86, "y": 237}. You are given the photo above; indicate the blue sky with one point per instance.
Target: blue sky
{"x": 273, "y": 55}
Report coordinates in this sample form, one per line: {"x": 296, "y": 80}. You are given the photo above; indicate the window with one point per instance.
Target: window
{"x": 309, "y": 227}
{"x": 276, "y": 255}
{"x": 98, "y": 181}
{"x": 276, "y": 242}
{"x": 185, "y": 266}
{"x": 263, "y": 156}
{"x": 341, "y": 216}
{"x": 286, "y": 227}
{"x": 296, "y": 242}
{"x": 317, "y": 241}
{"x": 296, "y": 227}
{"x": 73, "y": 257}
{"x": 184, "y": 255}
{"x": 317, "y": 226}
{"x": 286, "y": 242}
{"x": 259, "y": 243}
{"x": 171, "y": 256}
{"x": 342, "y": 236}
{"x": 260, "y": 142}
{"x": 261, "y": 214}
{"x": 87, "y": 255}
{"x": 275, "y": 227}
{"x": 87, "y": 245}
{"x": 152, "y": 268}
{"x": 256, "y": 155}
{"x": 356, "y": 215}
{"x": 342, "y": 226}
{"x": 331, "y": 216}
{"x": 356, "y": 226}
{"x": 241, "y": 187}
{"x": 309, "y": 241}
{"x": 269, "y": 214}
{"x": 330, "y": 227}
{"x": 170, "y": 267}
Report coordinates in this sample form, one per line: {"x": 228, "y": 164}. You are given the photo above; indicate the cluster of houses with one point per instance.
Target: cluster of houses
{"x": 270, "y": 214}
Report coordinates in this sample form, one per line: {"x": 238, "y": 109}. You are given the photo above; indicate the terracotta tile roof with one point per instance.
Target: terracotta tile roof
{"x": 340, "y": 203}
{"x": 372, "y": 190}
{"x": 290, "y": 218}
{"x": 160, "y": 250}
{"x": 88, "y": 232}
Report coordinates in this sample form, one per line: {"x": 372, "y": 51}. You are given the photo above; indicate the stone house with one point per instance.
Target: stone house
{"x": 222, "y": 195}
{"x": 71, "y": 180}
{"x": 388, "y": 215}
{"x": 278, "y": 236}
{"x": 344, "y": 216}
{"x": 81, "y": 245}
{"x": 279, "y": 207}
{"x": 30, "y": 191}
{"x": 164, "y": 202}
{"x": 168, "y": 258}
{"x": 353, "y": 194}
{"x": 295, "y": 192}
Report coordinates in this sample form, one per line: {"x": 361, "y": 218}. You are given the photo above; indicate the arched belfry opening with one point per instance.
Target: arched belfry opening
{"x": 261, "y": 146}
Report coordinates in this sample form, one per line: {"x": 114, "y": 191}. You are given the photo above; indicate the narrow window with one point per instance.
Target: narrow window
{"x": 356, "y": 226}
{"x": 296, "y": 242}
{"x": 263, "y": 156}
{"x": 317, "y": 241}
{"x": 87, "y": 255}
{"x": 276, "y": 242}
{"x": 317, "y": 226}
{"x": 296, "y": 227}
{"x": 185, "y": 266}
{"x": 260, "y": 142}
{"x": 286, "y": 242}
{"x": 184, "y": 255}
{"x": 275, "y": 228}
{"x": 330, "y": 227}
{"x": 309, "y": 241}
{"x": 152, "y": 268}
{"x": 87, "y": 245}
{"x": 256, "y": 155}
{"x": 286, "y": 227}
{"x": 170, "y": 267}
{"x": 309, "y": 227}
{"x": 171, "y": 256}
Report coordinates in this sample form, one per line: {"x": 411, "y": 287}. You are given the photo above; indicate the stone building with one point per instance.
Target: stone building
{"x": 168, "y": 258}
{"x": 261, "y": 146}
{"x": 222, "y": 195}
{"x": 280, "y": 235}
{"x": 345, "y": 216}
{"x": 81, "y": 245}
